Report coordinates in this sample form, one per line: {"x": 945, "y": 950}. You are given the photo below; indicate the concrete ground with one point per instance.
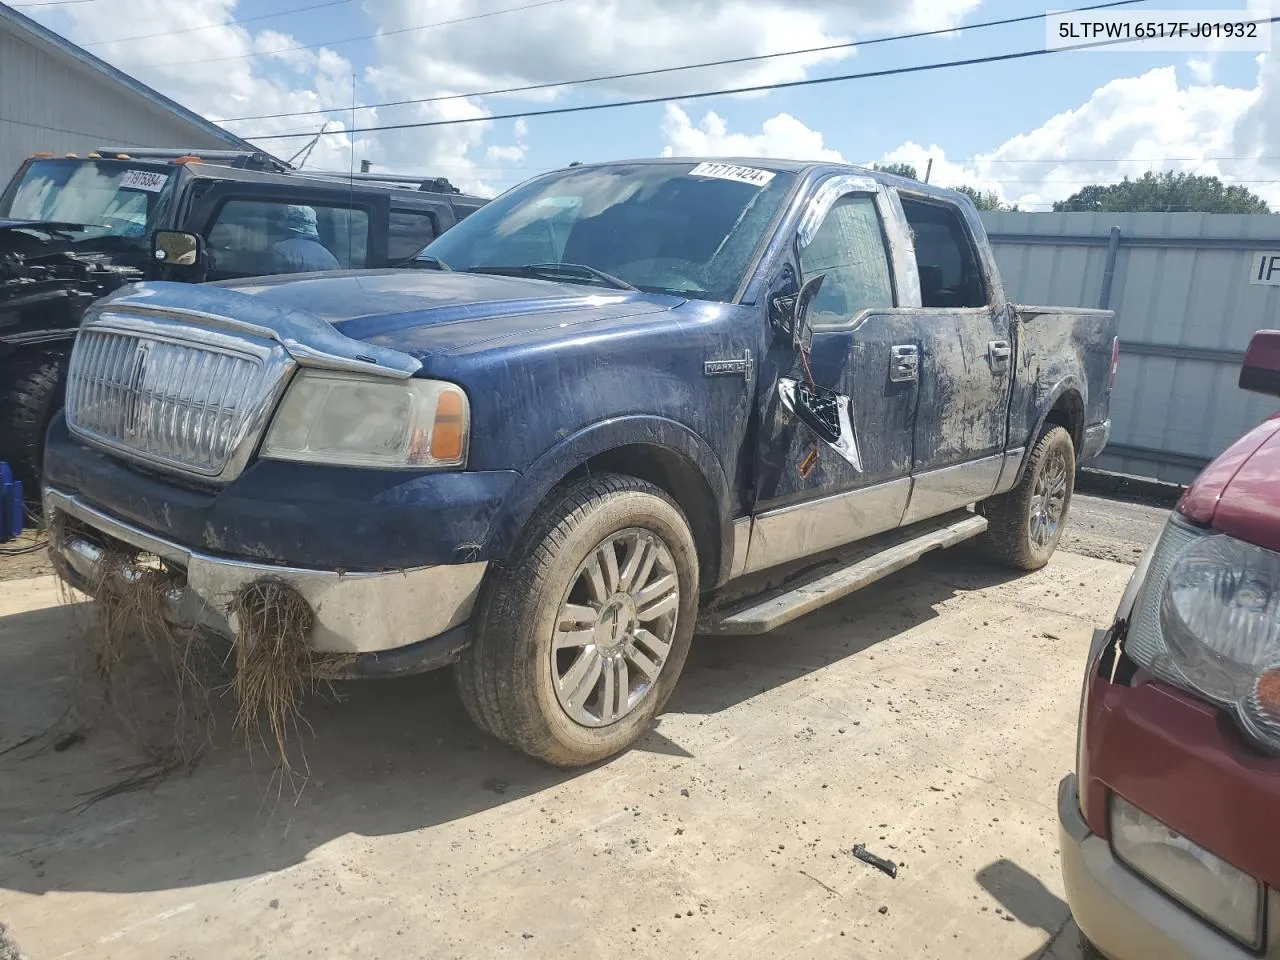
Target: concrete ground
{"x": 930, "y": 718}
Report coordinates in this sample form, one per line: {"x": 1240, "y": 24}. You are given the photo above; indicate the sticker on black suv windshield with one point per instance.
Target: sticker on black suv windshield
{"x": 143, "y": 180}
{"x": 729, "y": 171}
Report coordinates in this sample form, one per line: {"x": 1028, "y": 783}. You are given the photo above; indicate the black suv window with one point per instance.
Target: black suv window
{"x": 255, "y": 237}
{"x": 410, "y": 231}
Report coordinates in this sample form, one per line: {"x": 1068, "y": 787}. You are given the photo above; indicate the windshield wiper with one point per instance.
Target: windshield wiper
{"x": 433, "y": 262}
{"x": 571, "y": 272}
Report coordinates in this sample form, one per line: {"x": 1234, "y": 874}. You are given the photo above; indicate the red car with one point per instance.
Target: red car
{"x": 1170, "y": 826}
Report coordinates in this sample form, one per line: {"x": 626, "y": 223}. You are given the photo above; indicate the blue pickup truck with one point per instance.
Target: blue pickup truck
{"x": 617, "y": 403}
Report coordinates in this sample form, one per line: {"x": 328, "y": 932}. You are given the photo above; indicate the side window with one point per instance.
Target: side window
{"x": 849, "y": 249}
{"x": 255, "y": 237}
{"x": 945, "y": 257}
{"x": 410, "y": 231}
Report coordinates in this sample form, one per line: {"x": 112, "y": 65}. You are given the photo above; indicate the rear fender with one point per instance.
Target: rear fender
{"x": 1071, "y": 383}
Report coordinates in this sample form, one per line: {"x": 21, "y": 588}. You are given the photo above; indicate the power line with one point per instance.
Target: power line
{"x": 49, "y": 3}
{"x": 690, "y": 66}
{"x": 209, "y": 26}
{"x": 101, "y": 137}
{"x": 367, "y": 36}
{"x": 702, "y": 95}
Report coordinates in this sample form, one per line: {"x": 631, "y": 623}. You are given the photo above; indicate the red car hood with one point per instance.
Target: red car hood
{"x": 1239, "y": 493}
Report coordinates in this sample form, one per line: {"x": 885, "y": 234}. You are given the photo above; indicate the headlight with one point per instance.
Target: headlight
{"x": 1208, "y": 620}
{"x": 1227, "y": 897}
{"x": 349, "y": 420}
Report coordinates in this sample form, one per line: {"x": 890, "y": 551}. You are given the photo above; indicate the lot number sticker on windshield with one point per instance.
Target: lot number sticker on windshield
{"x": 143, "y": 180}
{"x": 727, "y": 171}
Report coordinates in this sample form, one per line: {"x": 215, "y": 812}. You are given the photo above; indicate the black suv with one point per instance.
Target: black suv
{"x": 72, "y": 229}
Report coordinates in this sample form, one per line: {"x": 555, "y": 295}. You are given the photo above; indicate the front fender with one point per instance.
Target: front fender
{"x": 571, "y": 452}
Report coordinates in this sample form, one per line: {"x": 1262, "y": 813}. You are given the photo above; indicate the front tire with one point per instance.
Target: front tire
{"x": 1025, "y": 524}
{"x": 580, "y": 638}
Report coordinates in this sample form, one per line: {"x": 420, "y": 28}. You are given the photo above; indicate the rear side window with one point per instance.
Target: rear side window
{"x": 256, "y": 237}
{"x": 411, "y": 230}
{"x": 849, "y": 250}
{"x": 945, "y": 257}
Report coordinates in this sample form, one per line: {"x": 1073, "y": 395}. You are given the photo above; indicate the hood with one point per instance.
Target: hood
{"x": 419, "y": 311}
{"x": 1237, "y": 494}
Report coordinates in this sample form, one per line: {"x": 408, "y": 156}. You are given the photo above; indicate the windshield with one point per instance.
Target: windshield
{"x": 680, "y": 228}
{"x": 109, "y": 199}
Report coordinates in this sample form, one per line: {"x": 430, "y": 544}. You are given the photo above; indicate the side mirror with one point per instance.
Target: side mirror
{"x": 801, "y": 328}
{"x": 173, "y": 248}
{"x": 1260, "y": 372}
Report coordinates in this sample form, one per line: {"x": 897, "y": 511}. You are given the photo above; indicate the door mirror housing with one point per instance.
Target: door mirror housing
{"x": 1260, "y": 372}
{"x": 174, "y": 248}
{"x": 801, "y": 324}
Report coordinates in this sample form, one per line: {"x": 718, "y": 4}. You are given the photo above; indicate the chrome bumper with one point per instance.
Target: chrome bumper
{"x": 355, "y": 612}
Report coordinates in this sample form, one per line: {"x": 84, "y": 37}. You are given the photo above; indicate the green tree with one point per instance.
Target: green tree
{"x": 897, "y": 169}
{"x": 985, "y": 201}
{"x": 1166, "y": 192}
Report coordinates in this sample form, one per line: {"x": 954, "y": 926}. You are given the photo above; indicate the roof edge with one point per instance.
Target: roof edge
{"x": 22, "y": 23}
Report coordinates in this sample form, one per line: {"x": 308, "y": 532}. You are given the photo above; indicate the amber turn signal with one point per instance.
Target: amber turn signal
{"x": 448, "y": 435}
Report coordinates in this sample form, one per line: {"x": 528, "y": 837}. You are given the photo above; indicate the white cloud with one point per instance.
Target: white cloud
{"x": 1201, "y": 69}
{"x": 1150, "y": 122}
{"x": 549, "y": 44}
{"x": 781, "y": 136}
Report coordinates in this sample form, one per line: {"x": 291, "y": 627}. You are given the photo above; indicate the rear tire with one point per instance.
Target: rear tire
{"x": 36, "y": 382}
{"x": 1025, "y": 524}
{"x": 581, "y": 636}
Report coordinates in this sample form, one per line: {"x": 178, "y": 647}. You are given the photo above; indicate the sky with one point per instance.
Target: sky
{"x": 1033, "y": 130}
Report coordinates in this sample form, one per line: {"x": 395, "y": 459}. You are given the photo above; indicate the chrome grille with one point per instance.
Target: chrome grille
{"x": 178, "y": 404}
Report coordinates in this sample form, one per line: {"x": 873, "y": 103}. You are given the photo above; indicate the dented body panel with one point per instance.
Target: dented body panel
{"x": 937, "y": 400}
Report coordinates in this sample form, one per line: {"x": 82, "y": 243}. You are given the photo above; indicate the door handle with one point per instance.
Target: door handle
{"x": 999, "y": 351}
{"x": 904, "y": 363}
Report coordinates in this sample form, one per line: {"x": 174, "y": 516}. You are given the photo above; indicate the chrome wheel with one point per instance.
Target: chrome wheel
{"x": 615, "y": 627}
{"x": 1049, "y": 500}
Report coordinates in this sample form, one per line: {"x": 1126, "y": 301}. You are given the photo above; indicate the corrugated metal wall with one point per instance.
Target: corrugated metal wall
{"x": 1186, "y": 310}
{"x": 50, "y": 102}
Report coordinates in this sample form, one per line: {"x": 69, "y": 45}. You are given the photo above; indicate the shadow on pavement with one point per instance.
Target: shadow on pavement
{"x": 387, "y": 757}
{"x": 1025, "y": 898}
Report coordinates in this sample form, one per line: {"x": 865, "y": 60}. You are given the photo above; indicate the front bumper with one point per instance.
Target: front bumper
{"x": 359, "y": 613}
{"x": 1120, "y": 913}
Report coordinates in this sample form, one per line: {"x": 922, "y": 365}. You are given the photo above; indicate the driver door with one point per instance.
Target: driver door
{"x": 810, "y": 494}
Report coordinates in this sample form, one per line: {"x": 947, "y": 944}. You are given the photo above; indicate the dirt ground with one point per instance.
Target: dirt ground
{"x": 930, "y": 718}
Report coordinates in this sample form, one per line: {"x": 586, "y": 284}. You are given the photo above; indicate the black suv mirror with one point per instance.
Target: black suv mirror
{"x": 173, "y": 248}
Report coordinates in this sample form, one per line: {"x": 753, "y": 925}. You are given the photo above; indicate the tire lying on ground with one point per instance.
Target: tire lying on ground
{"x": 1025, "y": 524}
{"x": 32, "y": 387}
{"x": 582, "y": 634}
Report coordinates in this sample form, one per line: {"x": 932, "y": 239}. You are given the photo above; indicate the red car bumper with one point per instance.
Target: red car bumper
{"x": 1184, "y": 763}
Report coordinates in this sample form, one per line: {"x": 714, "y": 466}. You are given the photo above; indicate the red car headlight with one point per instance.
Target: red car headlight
{"x": 1208, "y": 621}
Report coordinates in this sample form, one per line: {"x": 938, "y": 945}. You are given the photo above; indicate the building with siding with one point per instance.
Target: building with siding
{"x": 56, "y": 97}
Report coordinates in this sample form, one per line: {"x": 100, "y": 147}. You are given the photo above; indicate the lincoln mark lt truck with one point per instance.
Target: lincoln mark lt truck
{"x": 617, "y": 403}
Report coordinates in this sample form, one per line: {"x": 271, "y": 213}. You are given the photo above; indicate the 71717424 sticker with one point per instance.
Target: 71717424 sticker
{"x": 729, "y": 171}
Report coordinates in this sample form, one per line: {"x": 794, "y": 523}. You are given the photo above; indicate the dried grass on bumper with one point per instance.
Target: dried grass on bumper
{"x": 161, "y": 680}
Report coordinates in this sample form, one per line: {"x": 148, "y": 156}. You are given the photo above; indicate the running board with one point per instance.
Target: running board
{"x": 760, "y": 614}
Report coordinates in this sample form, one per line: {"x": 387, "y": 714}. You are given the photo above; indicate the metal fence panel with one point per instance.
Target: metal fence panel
{"x": 1186, "y": 308}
